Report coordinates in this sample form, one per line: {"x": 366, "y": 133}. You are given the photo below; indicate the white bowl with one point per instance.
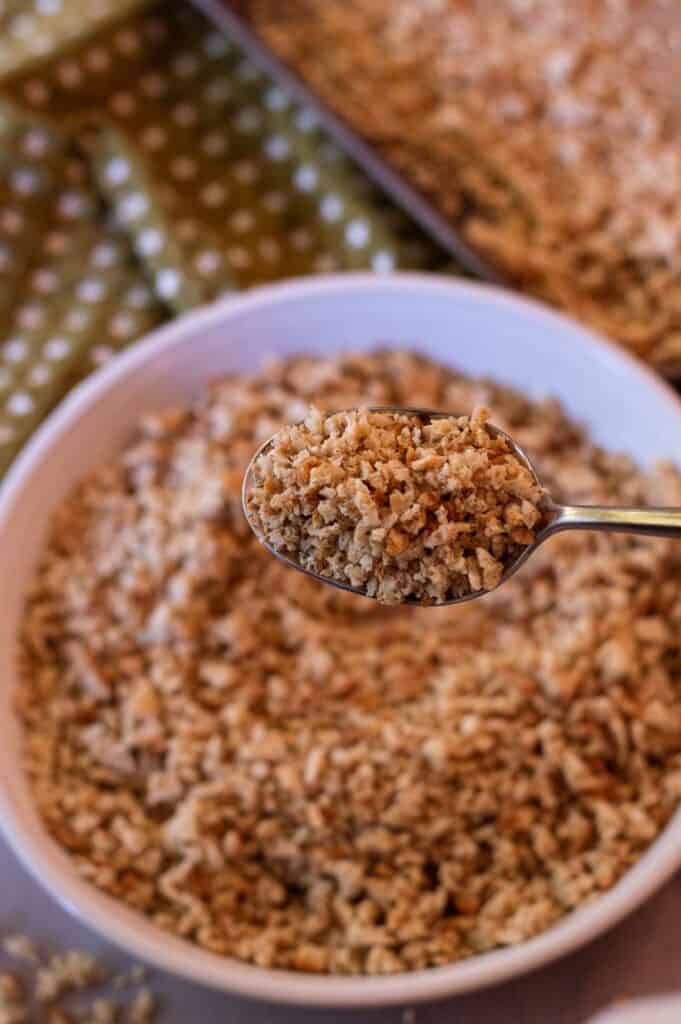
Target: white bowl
{"x": 479, "y": 329}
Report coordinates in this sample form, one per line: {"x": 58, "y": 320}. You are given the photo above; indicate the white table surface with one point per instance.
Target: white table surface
{"x": 639, "y": 957}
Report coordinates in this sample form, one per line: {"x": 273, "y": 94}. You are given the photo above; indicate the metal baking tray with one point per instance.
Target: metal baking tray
{"x": 225, "y": 15}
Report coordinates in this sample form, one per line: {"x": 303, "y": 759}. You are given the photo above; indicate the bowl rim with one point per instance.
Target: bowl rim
{"x": 122, "y": 926}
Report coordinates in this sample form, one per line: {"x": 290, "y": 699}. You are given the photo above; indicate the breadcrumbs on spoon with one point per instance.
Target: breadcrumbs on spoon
{"x": 396, "y": 504}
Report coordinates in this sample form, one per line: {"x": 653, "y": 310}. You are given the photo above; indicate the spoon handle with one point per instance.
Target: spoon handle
{"x": 654, "y": 522}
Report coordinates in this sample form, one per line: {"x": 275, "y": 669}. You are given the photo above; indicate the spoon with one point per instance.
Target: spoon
{"x": 651, "y": 522}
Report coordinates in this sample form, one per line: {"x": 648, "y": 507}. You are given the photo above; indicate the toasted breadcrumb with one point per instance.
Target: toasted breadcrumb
{"x": 142, "y": 1008}
{"x": 548, "y": 132}
{"x": 21, "y": 947}
{"x": 394, "y": 505}
{"x": 301, "y": 778}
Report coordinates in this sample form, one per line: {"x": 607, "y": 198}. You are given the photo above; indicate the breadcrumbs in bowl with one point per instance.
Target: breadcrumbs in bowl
{"x": 397, "y": 505}
{"x": 302, "y": 779}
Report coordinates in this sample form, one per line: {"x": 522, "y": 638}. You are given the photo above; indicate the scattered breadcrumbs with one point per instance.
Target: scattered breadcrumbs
{"x": 41, "y": 993}
{"x": 396, "y": 505}
{"x": 290, "y": 774}
{"x": 547, "y": 132}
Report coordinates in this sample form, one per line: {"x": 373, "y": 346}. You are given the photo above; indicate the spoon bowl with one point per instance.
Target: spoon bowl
{"x": 656, "y": 522}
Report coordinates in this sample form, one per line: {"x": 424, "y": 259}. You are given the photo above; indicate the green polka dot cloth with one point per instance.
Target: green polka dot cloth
{"x": 146, "y": 167}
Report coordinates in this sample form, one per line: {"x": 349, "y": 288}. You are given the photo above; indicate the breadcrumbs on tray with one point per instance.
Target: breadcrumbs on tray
{"x": 47, "y": 987}
{"x": 396, "y": 505}
{"x": 289, "y": 774}
{"x": 547, "y": 132}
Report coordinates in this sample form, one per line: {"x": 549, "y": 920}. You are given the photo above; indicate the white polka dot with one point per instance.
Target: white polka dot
{"x": 97, "y": 59}
{"x": 154, "y": 137}
{"x": 331, "y": 208}
{"x": 274, "y": 202}
{"x": 248, "y": 120}
{"x": 246, "y": 72}
{"x": 168, "y": 282}
{"x": 277, "y": 147}
{"x": 357, "y": 233}
{"x": 91, "y": 290}
{"x": 104, "y": 255}
{"x": 183, "y": 168}
{"x": 185, "y": 65}
{"x": 19, "y": 404}
{"x": 36, "y": 142}
{"x": 214, "y": 144}
{"x": 31, "y": 317}
{"x": 24, "y": 181}
{"x": 242, "y": 220}
{"x": 56, "y": 243}
{"x": 269, "y": 249}
{"x": 218, "y": 91}
{"x": 207, "y": 262}
{"x": 69, "y": 74}
{"x": 127, "y": 42}
{"x": 71, "y": 204}
{"x": 101, "y": 354}
{"x": 45, "y": 281}
{"x": 306, "y": 120}
{"x": 239, "y": 257}
{"x": 117, "y": 171}
{"x": 383, "y": 261}
{"x": 245, "y": 172}
{"x": 153, "y": 84}
{"x": 276, "y": 98}
{"x": 78, "y": 319}
{"x": 7, "y": 434}
{"x": 213, "y": 194}
{"x": 56, "y": 349}
{"x": 22, "y": 26}
{"x": 184, "y": 114}
{"x": 15, "y": 351}
{"x": 215, "y": 45}
{"x": 39, "y": 375}
{"x": 138, "y": 296}
{"x": 5, "y": 378}
{"x": 306, "y": 177}
{"x": 132, "y": 207}
{"x": 36, "y": 92}
{"x": 122, "y": 325}
{"x": 301, "y": 239}
{"x": 122, "y": 104}
{"x": 149, "y": 241}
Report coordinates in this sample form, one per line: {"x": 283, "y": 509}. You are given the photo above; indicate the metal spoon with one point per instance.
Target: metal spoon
{"x": 651, "y": 522}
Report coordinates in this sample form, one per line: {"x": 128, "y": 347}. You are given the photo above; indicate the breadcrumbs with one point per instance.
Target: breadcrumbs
{"x": 547, "y": 132}
{"x": 48, "y": 985}
{"x": 394, "y": 505}
{"x": 289, "y": 774}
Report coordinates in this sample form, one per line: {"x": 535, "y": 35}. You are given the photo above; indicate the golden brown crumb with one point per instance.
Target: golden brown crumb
{"x": 64, "y": 972}
{"x": 321, "y": 781}
{"x": 142, "y": 1008}
{"x": 21, "y": 947}
{"x": 396, "y": 506}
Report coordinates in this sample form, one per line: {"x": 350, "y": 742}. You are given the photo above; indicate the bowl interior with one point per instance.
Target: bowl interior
{"x": 479, "y": 330}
